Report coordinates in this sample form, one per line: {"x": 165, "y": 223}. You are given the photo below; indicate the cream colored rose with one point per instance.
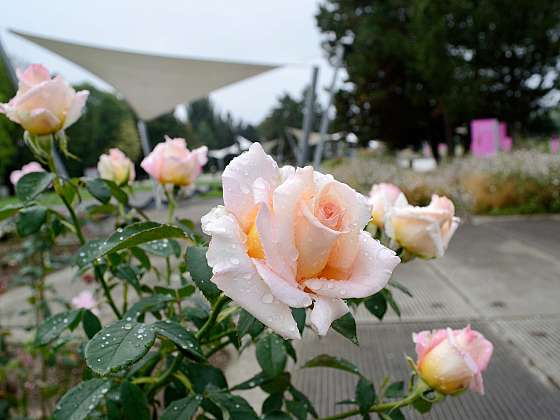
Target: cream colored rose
{"x": 382, "y": 198}
{"x": 115, "y": 166}
{"x": 289, "y": 237}
{"x": 43, "y": 105}
{"x": 172, "y": 163}
{"x": 452, "y": 360}
{"x": 422, "y": 231}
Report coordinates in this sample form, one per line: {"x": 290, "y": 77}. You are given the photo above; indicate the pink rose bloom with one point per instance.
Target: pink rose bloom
{"x": 115, "y": 166}
{"x": 452, "y": 360}
{"x": 290, "y": 238}
{"x": 382, "y": 197}
{"x": 43, "y": 105}
{"x": 172, "y": 163}
{"x": 25, "y": 169}
{"x": 423, "y": 231}
{"x": 85, "y": 300}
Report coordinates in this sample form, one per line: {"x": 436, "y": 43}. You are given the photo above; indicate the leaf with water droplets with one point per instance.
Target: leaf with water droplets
{"x": 201, "y": 273}
{"x": 131, "y": 236}
{"x": 237, "y": 407}
{"x": 346, "y": 326}
{"x": 134, "y": 402}
{"x": 32, "y": 184}
{"x": 184, "y": 339}
{"x": 80, "y": 401}
{"x": 271, "y": 355}
{"x": 51, "y": 328}
{"x": 99, "y": 189}
{"x": 118, "y": 346}
{"x": 148, "y": 304}
{"x": 162, "y": 248}
{"x": 183, "y": 409}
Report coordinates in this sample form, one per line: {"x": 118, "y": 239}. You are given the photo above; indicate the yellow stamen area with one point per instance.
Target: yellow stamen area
{"x": 254, "y": 247}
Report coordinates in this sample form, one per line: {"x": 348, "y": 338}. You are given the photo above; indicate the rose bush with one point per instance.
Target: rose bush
{"x": 288, "y": 246}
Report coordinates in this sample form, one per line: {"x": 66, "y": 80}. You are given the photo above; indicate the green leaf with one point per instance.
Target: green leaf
{"x": 203, "y": 376}
{"x": 325, "y": 360}
{"x": 254, "y": 382}
{"x": 377, "y": 305}
{"x": 81, "y": 400}
{"x": 32, "y": 184}
{"x": 271, "y": 354}
{"x": 247, "y": 323}
{"x": 183, "y": 409}
{"x": 184, "y": 339}
{"x": 162, "y": 248}
{"x": 300, "y": 396}
{"x": 131, "y": 236}
{"x": 422, "y": 406}
{"x": 299, "y": 316}
{"x": 276, "y": 415}
{"x": 134, "y": 402}
{"x": 234, "y": 405}
{"x": 395, "y": 390}
{"x": 99, "y": 189}
{"x": 346, "y": 326}
{"x": 90, "y": 323}
{"x": 118, "y": 346}
{"x": 394, "y": 414}
{"x": 148, "y": 304}
{"x": 51, "y": 328}
{"x": 400, "y": 287}
{"x": 365, "y": 395}
{"x": 127, "y": 273}
{"x": 120, "y": 195}
{"x": 30, "y": 219}
{"x": 9, "y": 210}
{"x": 297, "y": 409}
{"x": 273, "y": 402}
{"x": 141, "y": 257}
{"x": 391, "y": 301}
{"x": 201, "y": 273}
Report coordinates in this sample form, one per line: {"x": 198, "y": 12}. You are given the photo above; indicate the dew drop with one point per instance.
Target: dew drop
{"x": 267, "y": 298}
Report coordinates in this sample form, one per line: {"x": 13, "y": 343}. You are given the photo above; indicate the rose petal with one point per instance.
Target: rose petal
{"x": 371, "y": 271}
{"x": 235, "y": 274}
{"x": 76, "y": 107}
{"x": 238, "y": 179}
{"x": 39, "y": 121}
{"x": 325, "y": 311}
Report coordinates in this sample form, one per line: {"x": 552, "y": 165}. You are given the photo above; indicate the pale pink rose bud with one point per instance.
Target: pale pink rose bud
{"x": 43, "y": 105}
{"x": 115, "y": 166}
{"x": 25, "y": 169}
{"x": 382, "y": 197}
{"x": 452, "y": 360}
{"x": 423, "y": 231}
{"x": 172, "y": 163}
{"x": 85, "y": 300}
{"x": 289, "y": 237}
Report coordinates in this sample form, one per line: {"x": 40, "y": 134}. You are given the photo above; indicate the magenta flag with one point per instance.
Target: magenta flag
{"x": 554, "y": 144}
{"x": 506, "y": 142}
{"x": 484, "y": 137}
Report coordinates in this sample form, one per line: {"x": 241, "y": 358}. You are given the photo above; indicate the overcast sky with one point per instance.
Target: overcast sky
{"x": 278, "y": 32}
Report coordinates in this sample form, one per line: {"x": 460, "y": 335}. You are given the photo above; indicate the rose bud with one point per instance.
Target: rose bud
{"x": 25, "y": 169}
{"x": 452, "y": 360}
{"x": 382, "y": 197}
{"x": 289, "y": 237}
{"x": 116, "y": 167}
{"x": 43, "y": 105}
{"x": 423, "y": 231}
{"x": 172, "y": 163}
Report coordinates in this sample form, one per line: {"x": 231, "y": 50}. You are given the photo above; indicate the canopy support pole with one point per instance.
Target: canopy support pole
{"x": 146, "y": 149}
{"x": 325, "y": 119}
{"x": 308, "y": 117}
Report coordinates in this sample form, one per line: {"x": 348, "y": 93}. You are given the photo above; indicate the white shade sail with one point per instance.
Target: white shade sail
{"x": 152, "y": 84}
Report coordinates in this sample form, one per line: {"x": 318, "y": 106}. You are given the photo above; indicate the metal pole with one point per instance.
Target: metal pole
{"x": 325, "y": 119}
{"x": 308, "y": 117}
{"x": 146, "y": 149}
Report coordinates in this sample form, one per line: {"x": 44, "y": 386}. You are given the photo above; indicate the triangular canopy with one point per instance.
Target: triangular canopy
{"x": 152, "y": 84}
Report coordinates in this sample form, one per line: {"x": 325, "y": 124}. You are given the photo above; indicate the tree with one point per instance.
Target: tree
{"x": 210, "y": 128}
{"x": 416, "y": 69}
{"x": 107, "y": 122}
{"x": 166, "y": 124}
{"x": 9, "y": 132}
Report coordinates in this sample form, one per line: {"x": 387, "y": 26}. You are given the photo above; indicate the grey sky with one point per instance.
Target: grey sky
{"x": 279, "y": 32}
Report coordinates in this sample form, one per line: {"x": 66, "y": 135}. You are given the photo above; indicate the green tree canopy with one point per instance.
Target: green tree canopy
{"x": 416, "y": 69}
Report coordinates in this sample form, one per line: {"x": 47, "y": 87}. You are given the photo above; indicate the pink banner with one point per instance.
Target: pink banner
{"x": 484, "y": 137}
{"x": 506, "y": 142}
{"x": 554, "y": 144}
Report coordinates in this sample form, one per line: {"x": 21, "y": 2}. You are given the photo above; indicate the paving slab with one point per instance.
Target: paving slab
{"x": 513, "y": 392}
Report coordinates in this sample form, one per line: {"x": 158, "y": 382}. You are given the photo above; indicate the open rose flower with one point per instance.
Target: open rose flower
{"x": 116, "y": 167}
{"x": 172, "y": 163}
{"x": 289, "y": 237}
{"x": 422, "y": 231}
{"x": 382, "y": 197}
{"x": 25, "y": 169}
{"x": 43, "y": 105}
{"x": 452, "y": 360}
{"x": 85, "y": 300}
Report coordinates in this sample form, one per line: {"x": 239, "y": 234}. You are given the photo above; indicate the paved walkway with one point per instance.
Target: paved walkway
{"x": 501, "y": 276}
